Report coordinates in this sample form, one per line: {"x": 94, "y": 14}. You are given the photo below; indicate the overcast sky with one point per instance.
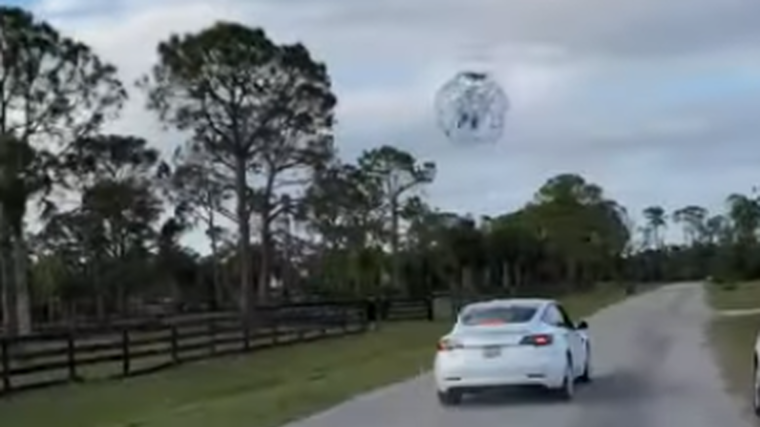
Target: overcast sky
{"x": 655, "y": 100}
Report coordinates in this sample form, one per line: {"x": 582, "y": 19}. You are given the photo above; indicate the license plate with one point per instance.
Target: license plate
{"x": 491, "y": 352}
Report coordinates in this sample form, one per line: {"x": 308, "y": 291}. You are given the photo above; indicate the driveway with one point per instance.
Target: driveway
{"x": 652, "y": 369}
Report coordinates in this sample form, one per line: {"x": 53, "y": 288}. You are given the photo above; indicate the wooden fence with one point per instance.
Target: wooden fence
{"x": 398, "y": 309}
{"x": 85, "y": 353}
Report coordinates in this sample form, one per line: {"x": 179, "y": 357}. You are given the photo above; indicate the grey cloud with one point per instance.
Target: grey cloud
{"x": 638, "y": 166}
{"x": 595, "y": 27}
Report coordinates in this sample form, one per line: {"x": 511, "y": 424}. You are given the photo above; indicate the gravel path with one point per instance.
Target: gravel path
{"x": 652, "y": 369}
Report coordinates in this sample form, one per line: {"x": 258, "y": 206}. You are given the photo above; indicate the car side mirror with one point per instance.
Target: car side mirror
{"x": 582, "y": 325}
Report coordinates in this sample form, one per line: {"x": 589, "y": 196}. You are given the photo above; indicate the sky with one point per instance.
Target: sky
{"x": 655, "y": 101}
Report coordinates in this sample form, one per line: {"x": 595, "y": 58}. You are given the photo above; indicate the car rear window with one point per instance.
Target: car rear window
{"x": 498, "y": 315}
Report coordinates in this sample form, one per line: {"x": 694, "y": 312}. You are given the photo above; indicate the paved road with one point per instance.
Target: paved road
{"x": 652, "y": 370}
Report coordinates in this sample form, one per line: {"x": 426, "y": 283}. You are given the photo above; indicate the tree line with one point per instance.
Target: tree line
{"x": 91, "y": 223}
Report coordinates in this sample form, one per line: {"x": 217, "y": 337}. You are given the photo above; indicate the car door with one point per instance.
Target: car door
{"x": 576, "y": 339}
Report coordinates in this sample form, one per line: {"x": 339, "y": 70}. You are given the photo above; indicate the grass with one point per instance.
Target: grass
{"x": 267, "y": 388}
{"x": 732, "y": 337}
{"x": 734, "y": 296}
{"x": 583, "y": 305}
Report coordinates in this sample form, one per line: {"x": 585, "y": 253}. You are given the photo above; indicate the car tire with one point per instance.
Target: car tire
{"x": 586, "y": 376}
{"x": 756, "y": 389}
{"x": 567, "y": 390}
{"x": 450, "y": 397}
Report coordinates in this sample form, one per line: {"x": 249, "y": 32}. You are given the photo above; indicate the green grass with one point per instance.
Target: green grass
{"x": 585, "y": 304}
{"x": 269, "y": 388}
{"x": 732, "y": 337}
{"x": 264, "y": 389}
{"x": 734, "y": 296}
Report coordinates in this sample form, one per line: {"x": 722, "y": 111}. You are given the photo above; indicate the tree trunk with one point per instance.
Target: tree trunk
{"x": 10, "y": 308}
{"x": 467, "y": 282}
{"x": 100, "y": 306}
{"x": 23, "y": 303}
{"x": 216, "y": 278}
{"x": 395, "y": 267}
{"x": 263, "y": 282}
{"x": 518, "y": 276}
{"x": 52, "y": 309}
{"x": 506, "y": 273}
{"x": 571, "y": 274}
{"x": 9, "y": 293}
{"x": 244, "y": 238}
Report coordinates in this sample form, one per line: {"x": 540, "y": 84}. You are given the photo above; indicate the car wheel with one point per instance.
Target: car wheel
{"x": 756, "y": 390}
{"x": 567, "y": 391}
{"x": 586, "y": 376}
{"x": 450, "y": 397}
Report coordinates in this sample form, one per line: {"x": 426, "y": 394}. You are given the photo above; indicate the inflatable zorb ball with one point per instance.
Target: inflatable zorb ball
{"x": 471, "y": 108}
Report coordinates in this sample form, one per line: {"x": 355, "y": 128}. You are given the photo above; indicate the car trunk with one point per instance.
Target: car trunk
{"x": 475, "y": 337}
{"x": 483, "y": 350}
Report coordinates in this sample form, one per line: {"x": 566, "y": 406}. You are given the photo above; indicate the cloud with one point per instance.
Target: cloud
{"x": 654, "y": 100}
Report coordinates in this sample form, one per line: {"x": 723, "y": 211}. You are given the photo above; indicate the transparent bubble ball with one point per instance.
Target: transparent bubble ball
{"x": 471, "y": 108}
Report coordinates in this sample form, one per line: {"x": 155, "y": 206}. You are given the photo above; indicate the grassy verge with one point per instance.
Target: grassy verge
{"x": 265, "y": 389}
{"x": 734, "y": 296}
{"x": 732, "y": 337}
{"x": 585, "y": 304}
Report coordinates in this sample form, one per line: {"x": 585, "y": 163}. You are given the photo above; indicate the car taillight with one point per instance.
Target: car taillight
{"x": 538, "y": 340}
{"x": 448, "y": 345}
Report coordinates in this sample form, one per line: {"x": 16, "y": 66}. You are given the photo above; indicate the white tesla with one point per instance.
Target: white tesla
{"x": 512, "y": 342}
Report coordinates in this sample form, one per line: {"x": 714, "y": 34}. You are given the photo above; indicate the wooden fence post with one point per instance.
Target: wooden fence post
{"x": 275, "y": 329}
{"x": 5, "y": 360}
{"x": 212, "y": 336}
{"x": 174, "y": 343}
{"x": 345, "y": 318}
{"x": 430, "y": 306}
{"x": 374, "y": 320}
{"x": 369, "y": 315}
{"x": 71, "y": 355}
{"x": 246, "y": 334}
{"x": 125, "y": 368}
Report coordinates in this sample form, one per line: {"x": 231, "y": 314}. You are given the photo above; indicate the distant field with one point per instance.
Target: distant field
{"x": 733, "y": 337}
{"x": 263, "y": 389}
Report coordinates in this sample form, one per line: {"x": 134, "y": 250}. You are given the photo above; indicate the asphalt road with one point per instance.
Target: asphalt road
{"x": 652, "y": 369}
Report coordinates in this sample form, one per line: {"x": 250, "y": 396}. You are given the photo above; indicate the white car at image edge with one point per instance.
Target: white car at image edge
{"x": 512, "y": 342}
{"x": 756, "y": 377}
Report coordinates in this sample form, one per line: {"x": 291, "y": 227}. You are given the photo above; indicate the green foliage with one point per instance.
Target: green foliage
{"x": 53, "y": 91}
{"x": 256, "y": 109}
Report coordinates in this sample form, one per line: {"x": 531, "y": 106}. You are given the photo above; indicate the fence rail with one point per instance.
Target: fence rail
{"x": 63, "y": 354}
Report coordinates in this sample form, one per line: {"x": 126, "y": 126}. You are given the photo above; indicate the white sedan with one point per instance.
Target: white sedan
{"x": 756, "y": 380}
{"x": 512, "y": 342}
